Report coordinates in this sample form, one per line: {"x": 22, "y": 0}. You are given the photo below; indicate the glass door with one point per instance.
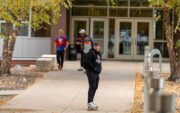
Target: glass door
{"x": 143, "y": 37}
{"x": 99, "y": 33}
{"x": 76, "y": 25}
{"x": 124, "y": 39}
{"x": 132, "y": 35}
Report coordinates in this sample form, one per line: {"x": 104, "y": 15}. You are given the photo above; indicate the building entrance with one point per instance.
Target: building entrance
{"x": 96, "y": 28}
{"x": 131, "y": 36}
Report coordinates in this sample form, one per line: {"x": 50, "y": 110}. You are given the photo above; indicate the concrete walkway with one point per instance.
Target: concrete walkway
{"x": 66, "y": 91}
{"x": 11, "y": 92}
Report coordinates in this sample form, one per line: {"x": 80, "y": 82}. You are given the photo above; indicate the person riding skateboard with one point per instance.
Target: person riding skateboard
{"x": 93, "y": 69}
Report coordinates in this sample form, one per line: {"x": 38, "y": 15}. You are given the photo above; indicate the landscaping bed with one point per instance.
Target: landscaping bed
{"x": 5, "y": 98}
{"x": 20, "y": 79}
{"x": 170, "y": 88}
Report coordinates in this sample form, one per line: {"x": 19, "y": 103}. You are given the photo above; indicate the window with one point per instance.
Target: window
{"x": 90, "y": 2}
{"x": 142, "y": 3}
{"x": 76, "y": 11}
{"x": 111, "y": 42}
{"x": 162, "y": 46}
{"x": 120, "y": 2}
{"x": 23, "y": 31}
{"x": 159, "y": 13}
{"x": 78, "y": 25}
{"x": 159, "y": 26}
{"x": 118, "y": 12}
{"x": 159, "y": 30}
{"x": 160, "y": 39}
{"x": 99, "y": 2}
{"x": 81, "y": 2}
{"x": 141, "y": 12}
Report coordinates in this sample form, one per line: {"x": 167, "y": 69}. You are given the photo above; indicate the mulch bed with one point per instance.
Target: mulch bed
{"x": 170, "y": 88}
{"x": 20, "y": 79}
{"x": 4, "y": 99}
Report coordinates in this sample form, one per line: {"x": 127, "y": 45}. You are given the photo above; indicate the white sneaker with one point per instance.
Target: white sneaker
{"x": 92, "y": 106}
{"x": 95, "y": 104}
{"x": 80, "y": 69}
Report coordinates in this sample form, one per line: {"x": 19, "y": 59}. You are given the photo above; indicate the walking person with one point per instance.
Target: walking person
{"x": 86, "y": 45}
{"x": 79, "y": 40}
{"x": 93, "y": 69}
{"x": 61, "y": 44}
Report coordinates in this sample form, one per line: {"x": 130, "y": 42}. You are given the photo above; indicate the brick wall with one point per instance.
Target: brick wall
{"x": 62, "y": 24}
{"x": 25, "y": 63}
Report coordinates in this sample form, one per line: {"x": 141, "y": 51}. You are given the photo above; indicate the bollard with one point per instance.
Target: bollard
{"x": 147, "y": 63}
{"x": 148, "y": 75}
{"x": 146, "y": 56}
{"x": 147, "y": 48}
{"x": 152, "y": 74}
{"x": 155, "y": 97}
{"x": 146, "y": 99}
{"x": 156, "y": 84}
{"x": 154, "y": 103}
{"x": 156, "y": 52}
{"x": 167, "y": 104}
{"x": 161, "y": 103}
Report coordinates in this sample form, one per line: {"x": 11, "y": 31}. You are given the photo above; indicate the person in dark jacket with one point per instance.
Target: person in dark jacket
{"x": 93, "y": 69}
{"x": 79, "y": 40}
{"x": 86, "y": 46}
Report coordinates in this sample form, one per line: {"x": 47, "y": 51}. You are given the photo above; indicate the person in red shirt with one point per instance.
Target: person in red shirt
{"x": 61, "y": 44}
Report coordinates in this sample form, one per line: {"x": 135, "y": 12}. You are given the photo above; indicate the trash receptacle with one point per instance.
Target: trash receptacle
{"x": 72, "y": 53}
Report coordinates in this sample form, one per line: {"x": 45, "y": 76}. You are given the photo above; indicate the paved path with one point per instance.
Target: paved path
{"x": 11, "y": 92}
{"x": 66, "y": 91}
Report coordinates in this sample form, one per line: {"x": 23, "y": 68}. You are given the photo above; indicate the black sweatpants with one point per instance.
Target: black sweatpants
{"x": 93, "y": 80}
{"x": 83, "y": 55}
{"x": 60, "y": 57}
{"x": 82, "y": 60}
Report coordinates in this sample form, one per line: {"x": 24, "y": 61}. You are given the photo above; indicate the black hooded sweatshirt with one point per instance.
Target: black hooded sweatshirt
{"x": 93, "y": 61}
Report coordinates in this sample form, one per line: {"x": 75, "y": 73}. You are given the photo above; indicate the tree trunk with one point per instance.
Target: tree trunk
{"x": 4, "y": 65}
{"x": 8, "y": 49}
{"x": 176, "y": 77}
{"x": 168, "y": 33}
{"x": 12, "y": 44}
